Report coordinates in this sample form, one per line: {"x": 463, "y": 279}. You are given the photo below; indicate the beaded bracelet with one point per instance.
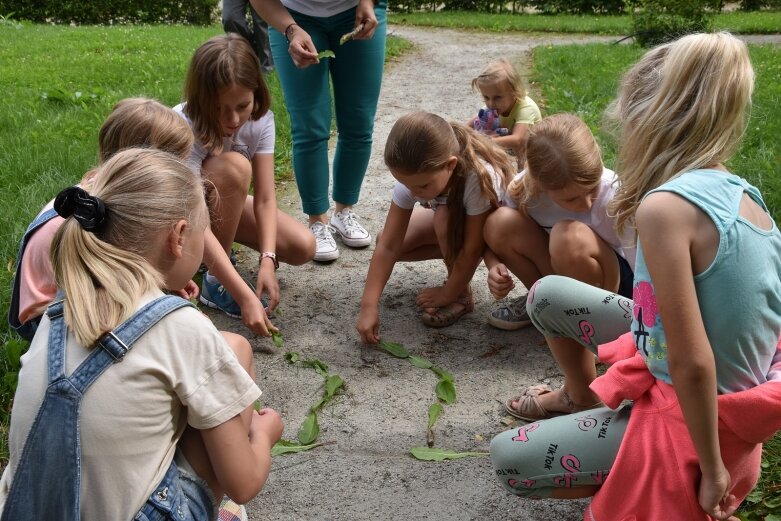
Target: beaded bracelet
{"x": 288, "y": 31}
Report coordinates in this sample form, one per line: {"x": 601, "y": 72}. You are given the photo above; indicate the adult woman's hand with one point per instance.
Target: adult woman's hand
{"x": 301, "y": 48}
{"x": 364, "y": 14}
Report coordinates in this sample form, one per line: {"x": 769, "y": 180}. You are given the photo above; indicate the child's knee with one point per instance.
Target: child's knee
{"x": 498, "y": 227}
{"x": 512, "y": 454}
{"x": 230, "y": 172}
{"x": 546, "y": 298}
{"x": 569, "y": 241}
{"x": 242, "y": 349}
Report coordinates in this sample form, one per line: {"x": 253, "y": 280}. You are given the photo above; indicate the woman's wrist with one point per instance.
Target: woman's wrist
{"x": 289, "y": 30}
{"x": 271, "y": 256}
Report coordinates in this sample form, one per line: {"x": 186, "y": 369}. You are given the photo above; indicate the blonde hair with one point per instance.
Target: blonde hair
{"x": 144, "y": 122}
{"x": 220, "y": 62}
{"x": 683, "y": 106}
{"x": 104, "y": 272}
{"x": 561, "y": 150}
{"x": 499, "y": 71}
{"x": 421, "y": 142}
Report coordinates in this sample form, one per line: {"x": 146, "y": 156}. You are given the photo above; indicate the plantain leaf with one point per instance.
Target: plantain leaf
{"x": 397, "y": 350}
{"x": 291, "y": 357}
{"x": 320, "y": 367}
{"x": 257, "y": 405}
{"x": 434, "y": 454}
{"x": 276, "y": 337}
{"x": 288, "y": 447}
{"x": 309, "y": 430}
{"x": 433, "y": 413}
{"x": 446, "y": 391}
{"x": 328, "y": 53}
{"x": 418, "y": 361}
{"x": 442, "y": 374}
{"x": 332, "y": 385}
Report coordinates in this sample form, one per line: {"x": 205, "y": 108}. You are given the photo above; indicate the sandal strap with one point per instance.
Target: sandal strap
{"x": 577, "y": 407}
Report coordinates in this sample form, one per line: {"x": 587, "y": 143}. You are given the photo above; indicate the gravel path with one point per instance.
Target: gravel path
{"x": 368, "y": 473}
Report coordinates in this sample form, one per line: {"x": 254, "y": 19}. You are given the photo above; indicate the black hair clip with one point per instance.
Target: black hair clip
{"x": 88, "y": 210}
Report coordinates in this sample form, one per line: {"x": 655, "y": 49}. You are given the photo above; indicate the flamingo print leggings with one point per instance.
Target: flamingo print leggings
{"x": 577, "y": 449}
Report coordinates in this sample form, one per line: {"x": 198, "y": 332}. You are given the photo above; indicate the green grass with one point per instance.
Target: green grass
{"x": 765, "y": 22}
{"x": 59, "y": 84}
{"x": 563, "y": 78}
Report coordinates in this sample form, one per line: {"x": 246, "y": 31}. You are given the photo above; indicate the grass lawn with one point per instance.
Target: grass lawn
{"x": 59, "y": 83}
{"x": 765, "y": 22}
{"x": 563, "y": 81}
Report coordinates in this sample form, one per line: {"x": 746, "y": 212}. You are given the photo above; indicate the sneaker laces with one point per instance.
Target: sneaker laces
{"x": 322, "y": 235}
{"x": 350, "y": 222}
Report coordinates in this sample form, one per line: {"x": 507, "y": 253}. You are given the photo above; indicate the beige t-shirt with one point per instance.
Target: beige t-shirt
{"x": 180, "y": 372}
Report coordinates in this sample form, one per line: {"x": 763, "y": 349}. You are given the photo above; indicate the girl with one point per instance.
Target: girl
{"x": 459, "y": 177}
{"x": 702, "y": 360}
{"x": 121, "y": 437}
{"x": 133, "y": 122}
{"x": 556, "y": 220}
{"x": 503, "y": 91}
{"x": 226, "y": 103}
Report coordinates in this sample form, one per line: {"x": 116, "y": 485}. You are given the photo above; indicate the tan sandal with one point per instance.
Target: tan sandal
{"x": 528, "y": 408}
{"x": 446, "y": 315}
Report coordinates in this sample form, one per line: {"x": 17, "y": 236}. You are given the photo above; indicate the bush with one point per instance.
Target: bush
{"x": 198, "y": 12}
{"x": 659, "y": 21}
{"x": 579, "y": 6}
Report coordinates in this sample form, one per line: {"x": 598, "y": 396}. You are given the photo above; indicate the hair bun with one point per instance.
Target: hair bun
{"x": 88, "y": 210}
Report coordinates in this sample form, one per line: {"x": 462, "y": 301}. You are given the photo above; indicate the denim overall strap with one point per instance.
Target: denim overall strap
{"x": 25, "y": 330}
{"x": 46, "y": 484}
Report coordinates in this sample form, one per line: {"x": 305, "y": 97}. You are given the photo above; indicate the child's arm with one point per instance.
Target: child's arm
{"x": 242, "y": 463}
{"x": 463, "y": 268}
{"x": 386, "y": 253}
{"x": 265, "y": 209}
{"x": 516, "y": 140}
{"x": 667, "y": 227}
{"x": 219, "y": 265}
{"x": 500, "y": 282}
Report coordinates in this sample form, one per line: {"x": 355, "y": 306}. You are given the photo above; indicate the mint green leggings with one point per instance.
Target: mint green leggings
{"x": 356, "y": 76}
{"x": 577, "y": 449}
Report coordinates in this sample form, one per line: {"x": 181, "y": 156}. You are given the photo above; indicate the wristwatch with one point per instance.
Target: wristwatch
{"x": 271, "y": 255}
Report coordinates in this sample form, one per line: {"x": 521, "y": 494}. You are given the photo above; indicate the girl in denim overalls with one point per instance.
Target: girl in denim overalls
{"x": 154, "y": 418}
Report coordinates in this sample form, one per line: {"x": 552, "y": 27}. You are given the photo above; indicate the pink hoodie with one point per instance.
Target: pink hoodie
{"x": 656, "y": 472}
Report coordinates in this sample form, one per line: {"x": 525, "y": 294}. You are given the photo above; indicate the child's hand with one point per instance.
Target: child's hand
{"x": 714, "y": 496}
{"x": 368, "y": 325}
{"x": 431, "y": 298}
{"x": 254, "y": 316}
{"x": 189, "y": 291}
{"x": 266, "y": 422}
{"x": 267, "y": 282}
{"x": 500, "y": 282}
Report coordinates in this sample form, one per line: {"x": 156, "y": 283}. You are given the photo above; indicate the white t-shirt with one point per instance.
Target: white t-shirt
{"x": 546, "y": 213}
{"x": 180, "y": 372}
{"x": 320, "y": 8}
{"x": 254, "y": 137}
{"x": 475, "y": 203}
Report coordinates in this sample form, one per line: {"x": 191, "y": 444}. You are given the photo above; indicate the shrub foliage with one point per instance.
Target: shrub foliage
{"x": 82, "y": 12}
{"x": 659, "y": 21}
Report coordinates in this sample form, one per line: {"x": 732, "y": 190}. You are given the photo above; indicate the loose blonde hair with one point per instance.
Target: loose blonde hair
{"x": 144, "y": 122}
{"x": 220, "y": 62}
{"x": 561, "y": 150}
{"x": 104, "y": 272}
{"x": 421, "y": 142}
{"x": 683, "y": 106}
{"x": 498, "y": 71}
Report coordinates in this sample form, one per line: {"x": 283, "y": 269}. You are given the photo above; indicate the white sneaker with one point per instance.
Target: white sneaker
{"x": 325, "y": 249}
{"x": 346, "y": 224}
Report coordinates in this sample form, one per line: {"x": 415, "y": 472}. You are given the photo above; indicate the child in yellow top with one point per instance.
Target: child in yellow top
{"x": 503, "y": 90}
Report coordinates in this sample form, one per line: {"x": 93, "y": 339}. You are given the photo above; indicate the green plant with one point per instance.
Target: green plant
{"x": 658, "y": 21}
{"x": 199, "y": 12}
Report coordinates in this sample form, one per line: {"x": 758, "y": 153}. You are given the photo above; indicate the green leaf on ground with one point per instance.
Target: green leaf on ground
{"x": 291, "y": 357}
{"x": 289, "y": 447}
{"x": 442, "y": 374}
{"x": 328, "y": 53}
{"x": 397, "y": 350}
{"x": 309, "y": 429}
{"x": 421, "y": 362}
{"x": 320, "y": 367}
{"x": 433, "y": 413}
{"x": 276, "y": 337}
{"x": 332, "y": 385}
{"x": 434, "y": 454}
{"x": 446, "y": 391}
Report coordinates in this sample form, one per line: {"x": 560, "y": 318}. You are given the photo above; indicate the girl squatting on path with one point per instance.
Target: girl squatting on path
{"x": 133, "y": 122}
{"x": 171, "y": 427}
{"x": 227, "y": 106}
{"x": 555, "y": 220}
{"x": 503, "y": 91}
{"x": 458, "y": 177}
{"x": 702, "y": 358}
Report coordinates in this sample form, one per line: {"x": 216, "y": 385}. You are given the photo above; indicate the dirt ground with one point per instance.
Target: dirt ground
{"x": 368, "y": 472}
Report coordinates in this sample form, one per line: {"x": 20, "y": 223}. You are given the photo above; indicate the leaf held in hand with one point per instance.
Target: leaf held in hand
{"x": 397, "y": 350}
{"x": 309, "y": 429}
{"x": 433, "y": 454}
{"x": 332, "y": 384}
{"x": 276, "y": 337}
{"x": 418, "y": 361}
{"x": 257, "y": 405}
{"x": 352, "y": 34}
{"x": 446, "y": 391}
{"x": 433, "y": 413}
{"x": 328, "y": 53}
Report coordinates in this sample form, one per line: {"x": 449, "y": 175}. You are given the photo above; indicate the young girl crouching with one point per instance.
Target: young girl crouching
{"x": 154, "y": 418}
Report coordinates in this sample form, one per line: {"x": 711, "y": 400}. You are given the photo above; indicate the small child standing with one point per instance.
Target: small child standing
{"x": 459, "y": 177}
{"x": 226, "y": 102}
{"x": 503, "y": 90}
{"x": 555, "y": 220}
{"x": 170, "y": 428}
{"x": 698, "y": 352}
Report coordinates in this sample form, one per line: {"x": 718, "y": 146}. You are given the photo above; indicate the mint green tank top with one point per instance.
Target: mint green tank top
{"x": 739, "y": 293}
